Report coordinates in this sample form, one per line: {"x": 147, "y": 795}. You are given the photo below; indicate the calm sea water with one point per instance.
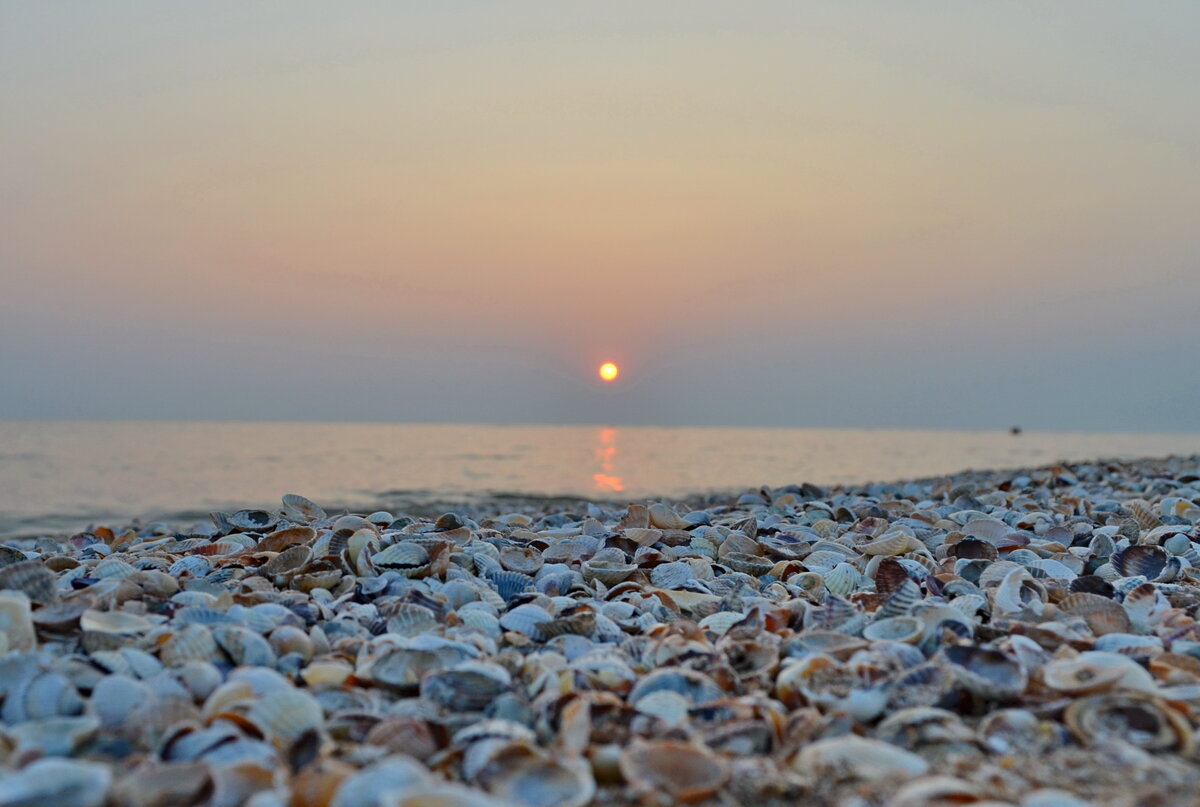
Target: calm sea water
{"x": 57, "y": 476}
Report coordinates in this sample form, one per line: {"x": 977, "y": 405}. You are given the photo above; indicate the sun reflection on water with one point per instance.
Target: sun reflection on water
{"x": 606, "y": 453}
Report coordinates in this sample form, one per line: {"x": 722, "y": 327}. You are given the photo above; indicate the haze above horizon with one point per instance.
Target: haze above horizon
{"x": 836, "y": 215}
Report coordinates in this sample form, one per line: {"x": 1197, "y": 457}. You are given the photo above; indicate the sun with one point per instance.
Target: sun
{"x": 609, "y": 371}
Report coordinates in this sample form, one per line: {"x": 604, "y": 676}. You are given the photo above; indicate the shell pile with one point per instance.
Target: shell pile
{"x": 1022, "y": 638}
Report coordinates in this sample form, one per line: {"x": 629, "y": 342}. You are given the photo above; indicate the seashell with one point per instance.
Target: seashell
{"x": 523, "y": 559}
{"x": 16, "y": 622}
{"x": 834, "y": 614}
{"x": 891, "y": 543}
{"x": 843, "y": 580}
{"x": 43, "y": 695}
{"x": 753, "y": 565}
{"x": 511, "y": 585}
{"x": 58, "y": 782}
{"x": 195, "y": 566}
{"x": 286, "y": 715}
{"x": 1091, "y": 584}
{"x": 643, "y": 536}
{"x": 664, "y": 518}
{"x": 285, "y": 564}
{"x": 384, "y": 782}
{"x": 526, "y": 619}
{"x": 672, "y": 575}
{"x": 250, "y": 520}
{"x": 114, "y": 697}
{"x": 407, "y": 557}
{"x": 901, "y": 600}
{"x": 298, "y": 508}
{"x": 410, "y": 619}
{"x": 317, "y": 575}
{"x": 685, "y": 773}
{"x": 905, "y": 629}
{"x": 608, "y": 572}
{"x": 244, "y": 647}
{"x": 525, "y": 778}
{"x": 851, "y": 757}
{"x": 985, "y": 672}
{"x": 694, "y": 686}
{"x": 1011, "y": 731}
{"x": 192, "y": 643}
{"x": 32, "y": 579}
{"x": 936, "y": 790}
{"x": 1101, "y": 614}
{"x": 1138, "y": 718}
{"x": 1143, "y": 560}
{"x": 288, "y": 639}
{"x": 822, "y": 681}
{"x": 1143, "y": 513}
{"x": 1096, "y": 671}
{"x": 469, "y": 687}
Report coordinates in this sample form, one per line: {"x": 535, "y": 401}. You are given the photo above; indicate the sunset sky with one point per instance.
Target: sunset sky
{"x": 790, "y": 214}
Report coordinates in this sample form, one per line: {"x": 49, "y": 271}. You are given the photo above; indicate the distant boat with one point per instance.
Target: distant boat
{"x": 1015, "y": 430}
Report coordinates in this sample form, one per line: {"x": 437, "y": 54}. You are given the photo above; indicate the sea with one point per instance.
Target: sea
{"x": 62, "y": 476}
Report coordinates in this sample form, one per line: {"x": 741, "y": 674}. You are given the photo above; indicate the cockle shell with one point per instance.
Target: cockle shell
{"x": 683, "y": 772}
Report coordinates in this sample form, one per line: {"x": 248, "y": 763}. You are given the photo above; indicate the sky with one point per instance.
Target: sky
{"x": 927, "y": 214}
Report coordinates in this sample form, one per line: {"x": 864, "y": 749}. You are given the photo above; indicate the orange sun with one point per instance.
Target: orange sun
{"x": 609, "y": 371}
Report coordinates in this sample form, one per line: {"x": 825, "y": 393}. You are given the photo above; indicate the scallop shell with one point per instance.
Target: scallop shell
{"x": 1143, "y": 560}
{"x": 31, "y": 578}
{"x": 844, "y": 580}
{"x": 892, "y": 543}
{"x": 407, "y": 557}
{"x": 1101, "y": 614}
{"x": 286, "y": 715}
{"x": 683, "y": 772}
{"x": 193, "y": 643}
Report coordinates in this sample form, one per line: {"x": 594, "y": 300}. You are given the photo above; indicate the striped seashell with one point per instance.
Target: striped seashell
{"x": 1101, "y": 614}
{"x": 665, "y": 705}
{"x": 526, "y": 619}
{"x": 31, "y": 578}
{"x": 406, "y": 557}
{"x": 672, "y": 575}
{"x": 298, "y": 508}
{"x": 286, "y": 715}
{"x": 1144, "y": 560}
{"x": 243, "y": 646}
{"x": 843, "y": 580}
{"x": 409, "y": 619}
{"x": 901, "y": 601}
{"x": 193, "y": 643}
{"x": 890, "y": 543}
{"x": 480, "y": 621}
{"x": 836, "y": 614}
{"x": 1143, "y": 513}
{"x": 511, "y": 585}
{"x": 720, "y": 622}
{"x": 190, "y": 566}
{"x": 753, "y": 565}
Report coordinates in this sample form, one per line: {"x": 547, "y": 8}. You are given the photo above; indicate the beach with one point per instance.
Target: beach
{"x": 1019, "y": 637}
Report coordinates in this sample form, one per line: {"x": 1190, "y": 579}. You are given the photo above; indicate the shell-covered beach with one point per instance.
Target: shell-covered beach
{"x": 1019, "y": 638}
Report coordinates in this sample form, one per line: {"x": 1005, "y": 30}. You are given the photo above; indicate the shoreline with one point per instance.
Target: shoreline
{"x": 1017, "y": 635}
